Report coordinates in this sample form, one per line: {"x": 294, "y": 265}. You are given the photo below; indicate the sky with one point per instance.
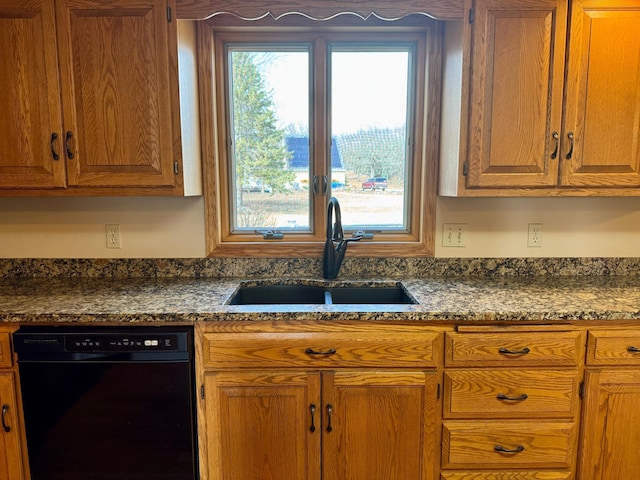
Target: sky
{"x": 369, "y": 89}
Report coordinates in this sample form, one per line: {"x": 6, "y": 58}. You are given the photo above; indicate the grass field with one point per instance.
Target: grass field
{"x": 278, "y": 210}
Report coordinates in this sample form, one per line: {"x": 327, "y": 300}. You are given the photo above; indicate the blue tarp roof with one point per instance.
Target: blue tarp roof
{"x": 299, "y": 147}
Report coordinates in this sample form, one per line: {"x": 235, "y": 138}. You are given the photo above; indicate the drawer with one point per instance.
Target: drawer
{"x": 5, "y": 350}
{"x": 321, "y": 349}
{"x": 613, "y": 347}
{"x": 528, "y": 444}
{"x": 514, "y": 349}
{"x": 510, "y": 393}
{"x": 509, "y": 475}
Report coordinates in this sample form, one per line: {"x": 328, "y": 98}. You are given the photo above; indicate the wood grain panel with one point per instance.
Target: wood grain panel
{"x": 320, "y": 9}
{"x": 382, "y": 425}
{"x": 260, "y": 425}
{"x": 602, "y": 108}
{"x": 472, "y": 444}
{"x": 615, "y": 347}
{"x": 11, "y": 467}
{"x": 516, "y": 92}
{"x": 366, "y": 349}
{"x": 115, "y": 65}
{"x": 5, "y": 350}
{"x": 474, "y": 393}
{"x": 30, "y": 97}
{"x": 611, "y": 425}
{"x": 544, "y": 348}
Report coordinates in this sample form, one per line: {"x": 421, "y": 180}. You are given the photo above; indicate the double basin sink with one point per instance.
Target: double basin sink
{"x": 392, "y": 293}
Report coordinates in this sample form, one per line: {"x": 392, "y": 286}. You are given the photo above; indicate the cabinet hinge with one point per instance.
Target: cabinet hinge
{"x": 472, "y": 15}
{"x": 202, "y": 391}
{"x": 465, "y": 168}
{"x": 438, "y": 392}
{"x": 176, "y": 168}
{"x": 581, "y": 390}
{"x": 169, "y": 14}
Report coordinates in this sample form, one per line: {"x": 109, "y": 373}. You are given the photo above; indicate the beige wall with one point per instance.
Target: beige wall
{"x": 174, "y": 227}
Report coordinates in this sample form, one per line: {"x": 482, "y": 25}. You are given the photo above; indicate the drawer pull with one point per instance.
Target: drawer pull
{"x": 5, "y": 410}
{"x": 312, "y": 411}
{"x": 501, "y": 449}
{"x": 519, "y": 398}
{"x": 329, "y": 412}
{"x": 633, "y": 349}
{"x": 506, "y": 351}
{"x": 311, "y": 351}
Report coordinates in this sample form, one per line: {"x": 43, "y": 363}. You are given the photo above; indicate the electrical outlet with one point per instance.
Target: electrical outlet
{"x": 113, "y": 236}
{"x": 535, "y": 235}
{"x": 454, "y": 234}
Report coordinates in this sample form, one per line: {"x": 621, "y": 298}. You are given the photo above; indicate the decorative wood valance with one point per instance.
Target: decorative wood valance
{"x": 320, "y": 9}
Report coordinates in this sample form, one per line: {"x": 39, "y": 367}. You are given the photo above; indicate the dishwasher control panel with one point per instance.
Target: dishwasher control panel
{"x": 101, "y": 343}
{"x": 119, "y": 343}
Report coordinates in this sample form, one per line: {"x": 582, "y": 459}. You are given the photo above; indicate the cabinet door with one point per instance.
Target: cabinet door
{"x": 611, "y": 425}
{"x": 263, "y": 425}
{"x": 10, "y": 453}
{"x": 115, "y": 70}
{"x": 516, "y": 92}
{"x": 603, "y": 95}
{"x": 30, "y": 97}
{"x": 379, "y": 425}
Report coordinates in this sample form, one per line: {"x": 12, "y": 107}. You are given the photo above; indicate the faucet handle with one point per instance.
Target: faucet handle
{"x": 362, "y": 234}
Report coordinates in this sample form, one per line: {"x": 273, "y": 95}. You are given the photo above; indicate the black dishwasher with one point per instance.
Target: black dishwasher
{"x": 106, "y": 403}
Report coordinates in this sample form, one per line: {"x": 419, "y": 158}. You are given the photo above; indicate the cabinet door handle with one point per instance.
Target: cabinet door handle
{"x": 54, "y": 154}
{"x": 68, "y": 137}
{"x": 5, "y": 410}
{"x": 329, "y": 412}
{"x": 311, "y": 351}
{"x": 501, "y": 449}
{"x": 556, "y": 137}
{"x": 571, "y": 140}
{"x": 312, "y": 411}
{"x": 506, "y": 351}
{"x": 633, "y": 349}
{"x": 519, "y": 398}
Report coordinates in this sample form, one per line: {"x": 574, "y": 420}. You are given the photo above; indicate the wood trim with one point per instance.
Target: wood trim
{"x": 220, "y": 240}
{"x": 320, "y": 9}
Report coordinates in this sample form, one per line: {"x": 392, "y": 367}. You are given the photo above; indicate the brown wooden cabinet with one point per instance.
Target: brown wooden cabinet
{"x": 342, "y": 409}
{"x": 529, "y": 131}
{"x": 611, "y": 423}
{"x": 12, "y": 447}
{"x": 511, "y": 403}
{"x": 90, "y": 91}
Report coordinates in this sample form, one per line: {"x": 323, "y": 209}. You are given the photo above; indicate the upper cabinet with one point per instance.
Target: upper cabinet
{"x": 528, "y": 129}
{"x": 602, "y": 107}
{"x": 92, "y": 95}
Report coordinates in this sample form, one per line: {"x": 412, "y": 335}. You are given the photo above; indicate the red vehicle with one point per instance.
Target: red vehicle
{"x": 375, "y": 183}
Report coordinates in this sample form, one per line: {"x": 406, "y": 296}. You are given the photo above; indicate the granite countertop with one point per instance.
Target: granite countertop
{"x": 175, "y": 299}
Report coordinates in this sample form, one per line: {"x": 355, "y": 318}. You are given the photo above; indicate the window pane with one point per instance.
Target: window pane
{"x": 369, "y": 122}
{"x": 270, "y": 138}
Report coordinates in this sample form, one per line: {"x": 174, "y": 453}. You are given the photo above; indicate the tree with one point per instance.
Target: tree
{"x": 375, "y": 152}
{"x": 260, "y": 153}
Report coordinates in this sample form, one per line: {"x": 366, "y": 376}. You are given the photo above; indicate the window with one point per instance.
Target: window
{"x": 305, "y": 114}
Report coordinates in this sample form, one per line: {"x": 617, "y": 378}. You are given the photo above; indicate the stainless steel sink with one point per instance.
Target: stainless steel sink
{"x": 295, "y": 294}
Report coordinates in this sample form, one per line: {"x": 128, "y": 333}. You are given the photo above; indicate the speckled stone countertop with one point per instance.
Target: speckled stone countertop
{"x": 178, "y": 299}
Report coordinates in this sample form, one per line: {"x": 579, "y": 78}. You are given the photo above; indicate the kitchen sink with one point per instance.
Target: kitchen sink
{"x": 295, "y": 294}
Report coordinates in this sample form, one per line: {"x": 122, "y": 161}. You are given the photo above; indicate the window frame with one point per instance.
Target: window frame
{"x": 213, "y": 75}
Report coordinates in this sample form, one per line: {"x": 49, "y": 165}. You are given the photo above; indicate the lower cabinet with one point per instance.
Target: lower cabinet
{"x": 611, "y": 411}
{"x": 11, "y": 439}
{"x": 357, "y": 406}
{"x": 511, "y": 403}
